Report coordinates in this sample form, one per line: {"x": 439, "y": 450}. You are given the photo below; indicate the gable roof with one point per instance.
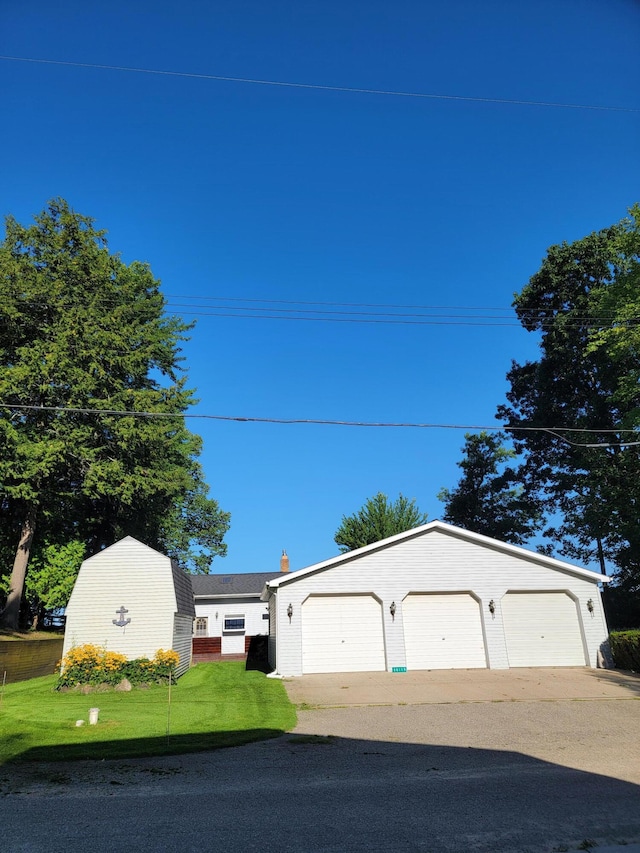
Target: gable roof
{"x": 450, "y": 530}
{"x": 230, "y": 585}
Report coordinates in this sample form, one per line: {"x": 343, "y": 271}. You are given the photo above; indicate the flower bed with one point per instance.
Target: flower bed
{"x": 92, "y": 665}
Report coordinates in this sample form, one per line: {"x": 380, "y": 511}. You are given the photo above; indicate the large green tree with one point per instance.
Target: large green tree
{"x": 489, "y": 498}
{"x": 80, "y": 332}
{"x": 376, "y": 520}
{"x": 586, "y": 378}
{"x": 53, "y": 570}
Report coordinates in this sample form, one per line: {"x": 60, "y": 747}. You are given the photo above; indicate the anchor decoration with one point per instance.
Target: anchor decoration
{"x": 121, "y": 622}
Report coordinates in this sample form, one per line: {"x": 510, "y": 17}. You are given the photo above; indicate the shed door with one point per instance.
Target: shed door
{"x": 342, "y": 633}
{"x": 443, "y": 631}
{"x": 542, "y": 629}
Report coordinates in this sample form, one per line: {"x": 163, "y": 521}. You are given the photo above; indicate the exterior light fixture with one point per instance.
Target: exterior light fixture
{"x": 290, "y": 611}
{"x": 590, "y": 606}
{"x": 492, "y": 607}
{"x": 392, "y": 610}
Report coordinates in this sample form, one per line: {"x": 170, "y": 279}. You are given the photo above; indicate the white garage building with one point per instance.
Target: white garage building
{"x": 436, "y": 597}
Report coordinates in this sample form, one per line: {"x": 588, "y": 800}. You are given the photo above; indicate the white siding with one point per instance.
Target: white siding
{"x": 542, "y": 629}
{"x": 437, "y": 562}
{"x": 273, "y": 610}
{"x": 443, "y": 632}
{"x": 131, "y": 575}
{"x": 216, "y": 609}
{"x": 342, "y": 634}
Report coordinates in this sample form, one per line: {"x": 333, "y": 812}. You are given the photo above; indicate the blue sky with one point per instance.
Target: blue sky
{"x": 250, "y": 191}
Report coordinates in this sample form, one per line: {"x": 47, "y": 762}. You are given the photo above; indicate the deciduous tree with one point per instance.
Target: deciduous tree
{"x": 586, "y": 379}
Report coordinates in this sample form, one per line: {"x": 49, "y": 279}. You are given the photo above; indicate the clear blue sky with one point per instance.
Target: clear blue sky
{"x": 251, "y": 191}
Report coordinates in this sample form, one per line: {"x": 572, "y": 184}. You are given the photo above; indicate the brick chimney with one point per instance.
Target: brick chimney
{"x": 284, "y": 562}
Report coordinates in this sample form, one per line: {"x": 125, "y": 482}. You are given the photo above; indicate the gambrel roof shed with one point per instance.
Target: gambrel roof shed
{"x": 435, "y": 597}
{"x": 133, "y": 600}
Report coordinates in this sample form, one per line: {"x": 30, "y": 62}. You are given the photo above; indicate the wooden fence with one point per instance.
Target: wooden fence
{"x": 24, "y": 659}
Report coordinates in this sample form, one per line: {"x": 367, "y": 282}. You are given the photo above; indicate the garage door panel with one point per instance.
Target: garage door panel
{"x": 342, "y": 633}
{"x": 542, "y": 629}
{"x": 443, "y": 631}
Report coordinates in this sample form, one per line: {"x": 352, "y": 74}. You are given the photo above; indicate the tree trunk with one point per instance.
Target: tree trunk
{"x": 10, "y": 616}
{"x": 603, "y": 567}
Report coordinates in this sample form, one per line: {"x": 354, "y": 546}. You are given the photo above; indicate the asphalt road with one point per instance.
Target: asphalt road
{"x": 526, "y": 776}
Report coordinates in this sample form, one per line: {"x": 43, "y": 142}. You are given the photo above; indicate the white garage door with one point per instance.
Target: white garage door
{"x": 542, "y": 629}
{"x": 443, "y": 631}
{"x": 342, "y": 633}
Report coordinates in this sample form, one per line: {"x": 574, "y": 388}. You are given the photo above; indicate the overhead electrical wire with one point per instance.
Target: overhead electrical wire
{"x": 319, "y": 87}
{"x": 328, "y": 422}
{"x": 272, "y": 309}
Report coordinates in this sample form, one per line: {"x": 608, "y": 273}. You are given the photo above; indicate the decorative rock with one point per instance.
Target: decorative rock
{"x": 79, "y": 722}
{"x": 124, "y": 686}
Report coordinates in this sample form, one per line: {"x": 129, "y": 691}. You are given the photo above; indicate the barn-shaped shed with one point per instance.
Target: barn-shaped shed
{"x": 133, "y": 600}
{"x": 436, "y": 597}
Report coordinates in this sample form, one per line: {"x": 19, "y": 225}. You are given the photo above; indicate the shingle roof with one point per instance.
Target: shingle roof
{"x": 230, "y": 584}
{"x": 184, "y": 592}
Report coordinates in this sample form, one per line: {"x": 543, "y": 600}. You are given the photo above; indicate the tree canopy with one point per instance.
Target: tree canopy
{"x": 93, "y": 444}
{"x": 376, "y": 520}
{"x": 583, "y": 390}
{"x": 489, "y": 497}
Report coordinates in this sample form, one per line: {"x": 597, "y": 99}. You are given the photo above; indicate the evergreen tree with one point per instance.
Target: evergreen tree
{"x": 81, "y": 331}
{"x": 489, "y": 498}
{"x": 376, "y": 520}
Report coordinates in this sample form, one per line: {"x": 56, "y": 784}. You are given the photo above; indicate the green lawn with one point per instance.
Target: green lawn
{"x": 212, "y": 705}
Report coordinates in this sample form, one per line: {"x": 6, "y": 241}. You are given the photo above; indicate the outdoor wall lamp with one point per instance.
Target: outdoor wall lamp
{"x": 492, "y": 607}
{"x": 590, "y": 606}
{"x": 290, "y": 611}
{"x": 392, "y": 610}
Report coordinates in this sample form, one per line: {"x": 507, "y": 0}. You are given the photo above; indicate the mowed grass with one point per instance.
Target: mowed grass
{"x": 212, "y": 705}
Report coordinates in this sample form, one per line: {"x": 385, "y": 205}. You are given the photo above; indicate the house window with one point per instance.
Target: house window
{"x": 202, "y": 626}
{"x": 234, "y": 623}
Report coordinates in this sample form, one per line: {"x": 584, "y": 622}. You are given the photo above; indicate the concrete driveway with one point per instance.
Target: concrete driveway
{"x": 455, "y": 685}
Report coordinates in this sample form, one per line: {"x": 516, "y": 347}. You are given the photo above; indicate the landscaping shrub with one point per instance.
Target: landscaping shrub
{"x": 92, "y": 665}
{"x": 625, "y": 648}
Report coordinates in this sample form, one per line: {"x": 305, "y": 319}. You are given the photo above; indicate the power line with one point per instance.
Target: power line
{"x": 312, "y": 421}
{"x": 173, "y": 301}
{"x": 347, "y": 89}
{"x": 339, "y": 304}
{"x": 328, "y": 314}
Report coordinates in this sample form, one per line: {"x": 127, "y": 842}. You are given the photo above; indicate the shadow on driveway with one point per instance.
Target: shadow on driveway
{"x": 313, "y": 793}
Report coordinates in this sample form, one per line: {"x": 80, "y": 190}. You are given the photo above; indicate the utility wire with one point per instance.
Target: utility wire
{"x": 328, "y": 309}
{"x": 382, "y": 317}
{"x": 348, "y": 89}
{"x": 316, "y": 421}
